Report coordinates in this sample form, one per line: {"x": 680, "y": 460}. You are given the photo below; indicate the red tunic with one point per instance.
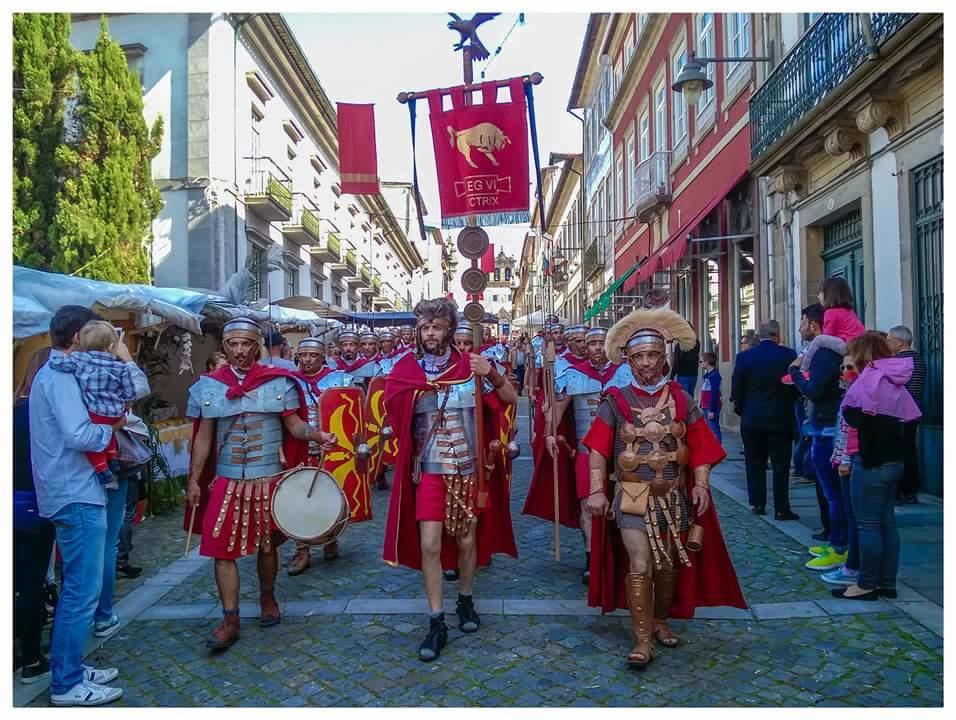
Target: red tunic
{"x": 405, "y": 384}
{"x": 711, "y": 579}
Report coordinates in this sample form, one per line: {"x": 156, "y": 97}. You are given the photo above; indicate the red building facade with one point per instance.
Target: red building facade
{"x": 683, "y": 209}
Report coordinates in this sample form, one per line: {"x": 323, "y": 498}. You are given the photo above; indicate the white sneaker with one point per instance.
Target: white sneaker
{"x": 841, "y": 576}
{"x": 105, "y": 628}
{"x": 87, "y": 694}
{"x": 100, "y": 676}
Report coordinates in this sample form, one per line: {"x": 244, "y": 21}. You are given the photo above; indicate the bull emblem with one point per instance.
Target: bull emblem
{"x": 484, "y": 137}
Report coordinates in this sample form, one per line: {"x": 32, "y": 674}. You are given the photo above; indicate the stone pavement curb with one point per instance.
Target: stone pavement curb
{"x": 911, "y": 603}
{"x": 129, "y": 608}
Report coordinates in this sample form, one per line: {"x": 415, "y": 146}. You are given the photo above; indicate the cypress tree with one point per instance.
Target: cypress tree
{"x": 44, "y": 65}
{"x": 107, "y": 199}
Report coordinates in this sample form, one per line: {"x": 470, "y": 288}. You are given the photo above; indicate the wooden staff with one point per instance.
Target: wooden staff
{"x": 480, "y": 424}
{"x": 189, "y": 535}
{"x": 550, "y": 399}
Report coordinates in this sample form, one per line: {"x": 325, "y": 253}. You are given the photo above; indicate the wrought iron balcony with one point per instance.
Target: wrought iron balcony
{"x": 304, "y": 228}
{"x": 652, "y": 185}
{"x": 377, "y": 282}
{"x": 365, "y": 275}
{"x": 593, "y": 259}
{"x": 270, "y": 190}
{"x": 350, "y": 261}
{"x": 329, "y": 250}
{"x": 828, "y": 53}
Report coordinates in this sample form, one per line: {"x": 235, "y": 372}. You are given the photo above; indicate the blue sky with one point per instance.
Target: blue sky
{"x": 372, "y": 57}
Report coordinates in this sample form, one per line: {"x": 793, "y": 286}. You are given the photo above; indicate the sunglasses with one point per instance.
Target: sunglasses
{"x": 848, "y": 367}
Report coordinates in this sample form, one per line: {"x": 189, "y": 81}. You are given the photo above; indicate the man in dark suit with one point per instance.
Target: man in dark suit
{"x": 765, "y": 407}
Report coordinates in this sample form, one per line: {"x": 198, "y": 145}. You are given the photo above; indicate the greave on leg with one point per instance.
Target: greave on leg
{"x": 640, "y": 598}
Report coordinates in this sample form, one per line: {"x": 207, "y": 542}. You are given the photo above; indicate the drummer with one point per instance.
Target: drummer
{"x": 235, "y": 467}
{"x": 315, "y": 376}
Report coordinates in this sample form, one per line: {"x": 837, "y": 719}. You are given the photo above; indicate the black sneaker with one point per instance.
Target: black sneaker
{"x": 129, "y": 571}
{"x": 36, "y": 672}
{"x": 437, "y": 636}
{"x": 821, "y": 535}
{"x": 468, "y": 620}
{"x": 451, "y": 575}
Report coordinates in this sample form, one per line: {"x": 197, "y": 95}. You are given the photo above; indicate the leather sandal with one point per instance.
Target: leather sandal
{"x": 664, "y": 635}
{"x": 227, "y": 633}
{"x": 639, "y": 600}
{"x": 269, "y": 607}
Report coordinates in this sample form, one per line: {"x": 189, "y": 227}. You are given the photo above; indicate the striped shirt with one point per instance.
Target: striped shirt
{"x": 915, "y": 384}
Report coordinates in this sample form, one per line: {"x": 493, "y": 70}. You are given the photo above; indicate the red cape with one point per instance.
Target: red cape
{"x": 295, "y": 450}
{"x": 711, "y": 580}
{"x": 495, "y": 534}
{"x": 540, "y": 500}
{"x": 312, "y": 380}
{"x": 352, "y": 367}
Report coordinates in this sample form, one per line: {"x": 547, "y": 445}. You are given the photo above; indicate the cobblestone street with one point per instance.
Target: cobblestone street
{"x": 351, "y": 628}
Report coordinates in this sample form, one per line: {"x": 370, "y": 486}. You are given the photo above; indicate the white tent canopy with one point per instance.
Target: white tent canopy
{"x": 535, "y": 319}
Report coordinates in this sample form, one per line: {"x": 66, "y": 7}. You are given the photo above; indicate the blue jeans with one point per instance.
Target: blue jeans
{"x": 714, "y": 426}
{"x": 852, "y": 532}
{"x": 874, "y": 499}
{"x": 820, "y": 452}
{"x": 115, "y": 511}
{"x": 688, "y": 382}
{"x": 81, "y": 537}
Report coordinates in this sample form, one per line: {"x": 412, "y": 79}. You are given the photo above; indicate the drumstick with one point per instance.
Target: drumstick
{"x": 189, "y": 535}
{"x": 316, "y": 475}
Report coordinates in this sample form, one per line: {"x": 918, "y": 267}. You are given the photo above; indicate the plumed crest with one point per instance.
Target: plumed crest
{"x": 667, "y": 322}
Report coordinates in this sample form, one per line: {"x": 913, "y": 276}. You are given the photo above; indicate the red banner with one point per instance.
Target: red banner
{"x": 482, "y": 156}
{"x": 488, "y": 259}
{"x": 358, "y": 160}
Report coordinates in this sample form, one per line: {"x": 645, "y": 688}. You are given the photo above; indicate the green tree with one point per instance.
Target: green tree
{"x": 107, "y": 200}
{"x": 44, "y": 67}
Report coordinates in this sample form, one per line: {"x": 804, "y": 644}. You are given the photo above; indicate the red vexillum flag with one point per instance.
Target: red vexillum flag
{"x": 481, "y": 151}
{"x": 358, "y": 160}
{"x": 488, "y": 259}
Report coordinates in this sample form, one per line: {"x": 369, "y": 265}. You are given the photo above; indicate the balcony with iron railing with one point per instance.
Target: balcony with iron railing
{"x": 652, "y": 186}
{"x": 365, "y": 275}
{"x": 269, "y": 193}
{"x": 329, "y": 249}
{"x": 829, "y": 52}
{"x": 304, "y": 228}
{"x": 352, "y": 276}
{"x": 593, "y": 259}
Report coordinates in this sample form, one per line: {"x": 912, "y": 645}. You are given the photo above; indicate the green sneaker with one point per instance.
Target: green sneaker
{"x": 830, "y": 561}
{"x": 819, "y": 550}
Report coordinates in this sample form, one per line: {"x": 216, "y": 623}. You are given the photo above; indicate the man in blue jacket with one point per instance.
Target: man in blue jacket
{"x": 765, "y": 407}
{"x": 822, "y": 390}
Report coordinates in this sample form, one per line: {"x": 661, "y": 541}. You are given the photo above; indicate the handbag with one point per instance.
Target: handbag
{"x": 634, "y": 497}
{"x": 131, "y": 452}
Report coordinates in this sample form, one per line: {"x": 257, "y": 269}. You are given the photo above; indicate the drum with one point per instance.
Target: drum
{"x": 317, "y": 519}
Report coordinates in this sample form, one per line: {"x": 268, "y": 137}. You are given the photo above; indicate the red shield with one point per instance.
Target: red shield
{"x": 383, "y": 450}
{"x": 342, "y": 412}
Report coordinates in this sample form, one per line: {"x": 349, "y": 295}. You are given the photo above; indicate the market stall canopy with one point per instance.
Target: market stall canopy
{"x": 535, "y": 319}
{"x": 37, "y": 295}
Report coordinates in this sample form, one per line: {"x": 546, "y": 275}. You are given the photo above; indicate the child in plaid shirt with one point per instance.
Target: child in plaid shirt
{"x": 109, "y": 381}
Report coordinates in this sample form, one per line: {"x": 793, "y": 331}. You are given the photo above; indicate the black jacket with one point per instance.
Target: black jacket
{"x": 761, "y": 400}
{"x": 822, "y": 389}
{"x": 881, "y": 436}
{"x": 686, "y": 362}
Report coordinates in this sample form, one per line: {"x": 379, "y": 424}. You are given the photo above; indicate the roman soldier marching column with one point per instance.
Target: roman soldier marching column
{"x": 663, "y": 554}
{"x": 246, "y": 416}
{"x": 449, "y": 504}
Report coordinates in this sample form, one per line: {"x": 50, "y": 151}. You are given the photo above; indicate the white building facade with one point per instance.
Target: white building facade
{"x": 249, "y": 161}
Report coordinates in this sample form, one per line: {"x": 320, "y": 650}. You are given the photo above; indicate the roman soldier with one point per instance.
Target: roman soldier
{"x": 577, "y": 347}
{"x": 407, "y": 339}
{"x": 449, "y": 504}
{"x": 657, "y": 548}
{"x": 580, "y": 386}
{"x": 542, "y": 476}
{"x": 368, "y": 344}
{"x": 315, "y": 376}
{"x": 359, "y": 367}
{"x": 246, "y": 416}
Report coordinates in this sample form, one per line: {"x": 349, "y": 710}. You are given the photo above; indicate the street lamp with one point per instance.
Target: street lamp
{"x": 693, "y": 80}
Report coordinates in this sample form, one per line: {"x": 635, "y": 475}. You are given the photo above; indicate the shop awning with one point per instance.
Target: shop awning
{"x": 604, "y": 301}
{"x": 674, "y": 249}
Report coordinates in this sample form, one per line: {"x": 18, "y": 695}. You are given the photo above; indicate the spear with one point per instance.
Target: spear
{"x": 550, "y": 399}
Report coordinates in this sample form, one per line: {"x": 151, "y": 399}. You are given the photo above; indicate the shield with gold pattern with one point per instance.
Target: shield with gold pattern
{"x": 342, "y": 412}
{"x": 381, "y": 439}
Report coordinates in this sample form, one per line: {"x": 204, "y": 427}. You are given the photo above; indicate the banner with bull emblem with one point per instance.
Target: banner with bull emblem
{"x": 481, "y": 151}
